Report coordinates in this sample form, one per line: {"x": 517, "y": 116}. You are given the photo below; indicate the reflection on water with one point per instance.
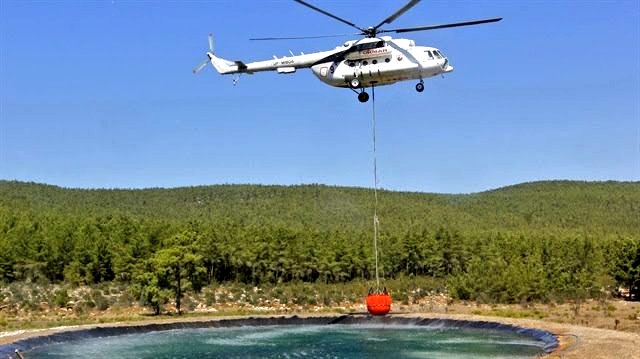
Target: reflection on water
{"x": 295, "y": 341}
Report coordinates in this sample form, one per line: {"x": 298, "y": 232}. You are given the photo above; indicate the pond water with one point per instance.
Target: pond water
{"x": 298, "y": 341}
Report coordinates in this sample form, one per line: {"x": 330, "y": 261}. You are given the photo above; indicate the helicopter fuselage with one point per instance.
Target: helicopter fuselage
{"x": 383, "y": 62}
{"x": 371, "y": 61}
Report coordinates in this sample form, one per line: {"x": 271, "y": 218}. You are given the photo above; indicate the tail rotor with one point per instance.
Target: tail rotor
{"x": 204, "y": 63}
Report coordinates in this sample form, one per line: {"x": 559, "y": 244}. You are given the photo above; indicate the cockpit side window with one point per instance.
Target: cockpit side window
{"x": 437, "y": 53}
{"x": 430, "y": 55}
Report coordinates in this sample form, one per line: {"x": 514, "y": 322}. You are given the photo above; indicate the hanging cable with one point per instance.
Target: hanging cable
{"x": 376, "y": 222}
{"x": 378, "y": 302}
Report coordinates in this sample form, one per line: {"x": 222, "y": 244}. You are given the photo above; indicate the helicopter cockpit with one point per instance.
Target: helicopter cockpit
{"x": 434, "y": 54}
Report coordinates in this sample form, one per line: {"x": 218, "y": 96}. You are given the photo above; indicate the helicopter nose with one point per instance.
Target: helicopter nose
{"x": 446, "y": 67}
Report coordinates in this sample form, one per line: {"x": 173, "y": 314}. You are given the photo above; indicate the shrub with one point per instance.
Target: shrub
{"x": 100, "y": 301}
{"x": 61, "y": 298}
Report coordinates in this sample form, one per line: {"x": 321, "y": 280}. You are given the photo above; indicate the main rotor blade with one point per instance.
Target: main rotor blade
{"x": 398, "y": 13}
{"x": 328, "y": 14}
{"x": 300, "y": 37}
{"x": 443, "y": 26}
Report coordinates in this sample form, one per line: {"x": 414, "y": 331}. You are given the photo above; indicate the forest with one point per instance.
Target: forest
{"x": 538, "y": 241}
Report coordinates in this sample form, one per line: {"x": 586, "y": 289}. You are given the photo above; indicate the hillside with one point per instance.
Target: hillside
{"x": 533, "y": 241}
{"x": 602, "y": 207}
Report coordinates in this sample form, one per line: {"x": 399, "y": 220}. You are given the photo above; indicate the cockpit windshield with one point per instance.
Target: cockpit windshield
{"x": 439, "y": 54}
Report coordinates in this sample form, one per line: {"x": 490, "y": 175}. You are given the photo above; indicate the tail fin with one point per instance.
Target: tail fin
{"x": 225, "y": 66}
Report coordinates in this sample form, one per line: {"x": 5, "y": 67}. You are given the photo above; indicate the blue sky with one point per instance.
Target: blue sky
{"x": 100, "y": 94}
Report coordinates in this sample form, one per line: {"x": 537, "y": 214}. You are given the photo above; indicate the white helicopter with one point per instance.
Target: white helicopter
{"x": 357, "y": 64}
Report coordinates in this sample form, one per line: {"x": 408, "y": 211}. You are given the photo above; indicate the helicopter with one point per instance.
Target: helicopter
{"x": 357, "y": 64}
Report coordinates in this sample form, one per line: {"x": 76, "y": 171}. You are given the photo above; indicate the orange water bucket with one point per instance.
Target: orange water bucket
{"x": 378, "y": 303}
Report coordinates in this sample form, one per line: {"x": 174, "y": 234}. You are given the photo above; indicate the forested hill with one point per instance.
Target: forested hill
{"x": 548, "y": 206}
{"x": 533, "y": 241}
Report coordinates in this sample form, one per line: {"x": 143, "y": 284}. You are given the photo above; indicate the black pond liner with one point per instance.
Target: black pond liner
{"x": 8, "y": 351}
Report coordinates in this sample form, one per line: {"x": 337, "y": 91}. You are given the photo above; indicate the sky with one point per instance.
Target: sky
{"x": 100, "y": 94}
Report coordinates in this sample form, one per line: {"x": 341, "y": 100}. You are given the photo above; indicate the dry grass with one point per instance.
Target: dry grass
{"x": 615, "y": 314}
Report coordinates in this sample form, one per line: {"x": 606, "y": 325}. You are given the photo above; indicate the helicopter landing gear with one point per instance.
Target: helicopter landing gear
{"x": 354, "y": 85}
{"x": 420, "y": 86}
{"x": 362, "y": 95}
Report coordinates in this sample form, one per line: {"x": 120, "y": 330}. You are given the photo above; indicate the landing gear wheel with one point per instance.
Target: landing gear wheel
{"x": 420, "y": 87}
{"x": 354, "y": 83}
{"x": 363, "y": 97}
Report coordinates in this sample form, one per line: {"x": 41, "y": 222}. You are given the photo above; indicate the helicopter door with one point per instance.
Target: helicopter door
{"x": 369, "y": 71}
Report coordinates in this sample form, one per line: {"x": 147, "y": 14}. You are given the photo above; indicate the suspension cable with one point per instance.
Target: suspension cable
{"x": 376, "y": 222}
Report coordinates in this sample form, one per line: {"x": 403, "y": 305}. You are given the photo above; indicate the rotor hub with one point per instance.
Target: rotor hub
{"x": 370, "y": 31}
